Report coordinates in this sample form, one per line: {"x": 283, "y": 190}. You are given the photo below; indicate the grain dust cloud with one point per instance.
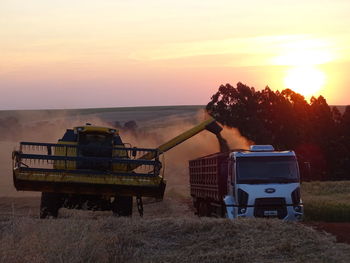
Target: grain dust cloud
{"x": 40, "y": 127}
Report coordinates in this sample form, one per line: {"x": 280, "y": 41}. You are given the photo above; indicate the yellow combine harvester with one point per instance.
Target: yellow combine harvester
{"x": 91, "y": 168}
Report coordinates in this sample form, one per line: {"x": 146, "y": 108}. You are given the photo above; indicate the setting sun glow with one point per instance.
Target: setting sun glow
{"x": 304, "y": 58}
{"x": 147, "y": 53}
{"x": 306, "y": 80}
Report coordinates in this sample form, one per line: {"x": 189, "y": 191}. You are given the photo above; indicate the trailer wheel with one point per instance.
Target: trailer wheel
{"x": 50, "y": 204}
{"x": 122, "y": 206}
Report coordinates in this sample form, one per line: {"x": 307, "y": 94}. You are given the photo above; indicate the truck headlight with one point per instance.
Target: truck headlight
{"x": 242, "y": 210}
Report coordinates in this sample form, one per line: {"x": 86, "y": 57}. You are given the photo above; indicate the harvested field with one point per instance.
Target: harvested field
{"x": 340, "y": 230}
{"x": 169, "y": 231}
{"x": 183, "y": 239}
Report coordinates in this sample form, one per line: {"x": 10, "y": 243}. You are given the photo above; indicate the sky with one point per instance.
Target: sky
{"x": 124, "y": 53}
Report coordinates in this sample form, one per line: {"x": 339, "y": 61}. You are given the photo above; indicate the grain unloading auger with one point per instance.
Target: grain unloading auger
{"x": 91, "y": 168}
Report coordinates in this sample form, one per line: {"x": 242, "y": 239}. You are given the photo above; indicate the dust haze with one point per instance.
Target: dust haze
{"x": 39, "y": 126}
{"x": 175, "y": 161}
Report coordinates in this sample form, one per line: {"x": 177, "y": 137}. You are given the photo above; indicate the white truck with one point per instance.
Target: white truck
{"x": 259, "y": 182}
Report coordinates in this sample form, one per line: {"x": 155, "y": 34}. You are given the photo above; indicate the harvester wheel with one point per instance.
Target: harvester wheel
{"x": 122, "y": 206}
{"x": 50, "y": 204}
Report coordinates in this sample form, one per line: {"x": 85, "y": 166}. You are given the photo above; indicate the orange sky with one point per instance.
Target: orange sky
{"x": 73, "y": 54}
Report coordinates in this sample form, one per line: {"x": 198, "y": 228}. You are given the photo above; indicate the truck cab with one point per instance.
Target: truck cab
{"x": 263, "y": 182}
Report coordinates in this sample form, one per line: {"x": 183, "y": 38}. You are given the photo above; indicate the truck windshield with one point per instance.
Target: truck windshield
{"x": 267, "y": 169}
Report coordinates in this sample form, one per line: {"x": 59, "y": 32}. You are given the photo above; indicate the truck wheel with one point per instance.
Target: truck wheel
{"x": 122, "y": 206}
{"x": 203, "y": 209}
{"x": 50, "y": 204}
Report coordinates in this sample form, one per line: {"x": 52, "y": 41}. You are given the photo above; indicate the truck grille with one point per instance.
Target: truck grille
{"x": 270, "y": 207}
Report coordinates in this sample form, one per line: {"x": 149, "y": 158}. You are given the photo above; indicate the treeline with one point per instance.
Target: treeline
{"x": 318, "y": 133}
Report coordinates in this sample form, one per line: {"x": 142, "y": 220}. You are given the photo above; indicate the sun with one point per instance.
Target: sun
{"x": 306, "y": 80}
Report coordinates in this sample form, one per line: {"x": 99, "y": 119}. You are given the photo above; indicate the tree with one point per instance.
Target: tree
{"x": 344, "y": 144}
{"x": 318, "y": 133}
{"x": 264, "y": 116}
{"x": 236, "y": 107}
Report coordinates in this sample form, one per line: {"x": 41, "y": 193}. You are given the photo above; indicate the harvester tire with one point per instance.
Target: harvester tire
{"x": 122, "y": 206}
{"x": 50, "y": 204}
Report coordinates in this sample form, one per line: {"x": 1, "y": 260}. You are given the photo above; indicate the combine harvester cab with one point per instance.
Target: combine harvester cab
{"x": 91, "y": 168}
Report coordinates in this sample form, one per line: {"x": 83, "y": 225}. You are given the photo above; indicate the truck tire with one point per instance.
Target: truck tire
{"x": 203, "y": 208}
{"x": 122, "y": 206}
{"x": 50, "y": 204}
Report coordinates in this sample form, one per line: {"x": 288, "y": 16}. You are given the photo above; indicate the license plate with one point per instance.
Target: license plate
{"x": 270, "y": 213}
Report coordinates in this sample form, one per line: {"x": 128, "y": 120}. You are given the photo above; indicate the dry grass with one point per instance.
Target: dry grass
{"x": 169, "y": 232}
{"x": 327, "y": 201}
{"x": 111, "y": 239}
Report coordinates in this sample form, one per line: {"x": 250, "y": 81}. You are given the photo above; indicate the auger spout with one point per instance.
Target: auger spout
{"x": 209, "y": 125}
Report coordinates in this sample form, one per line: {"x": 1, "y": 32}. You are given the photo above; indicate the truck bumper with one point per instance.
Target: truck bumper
{"x": 293, "y": 213}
